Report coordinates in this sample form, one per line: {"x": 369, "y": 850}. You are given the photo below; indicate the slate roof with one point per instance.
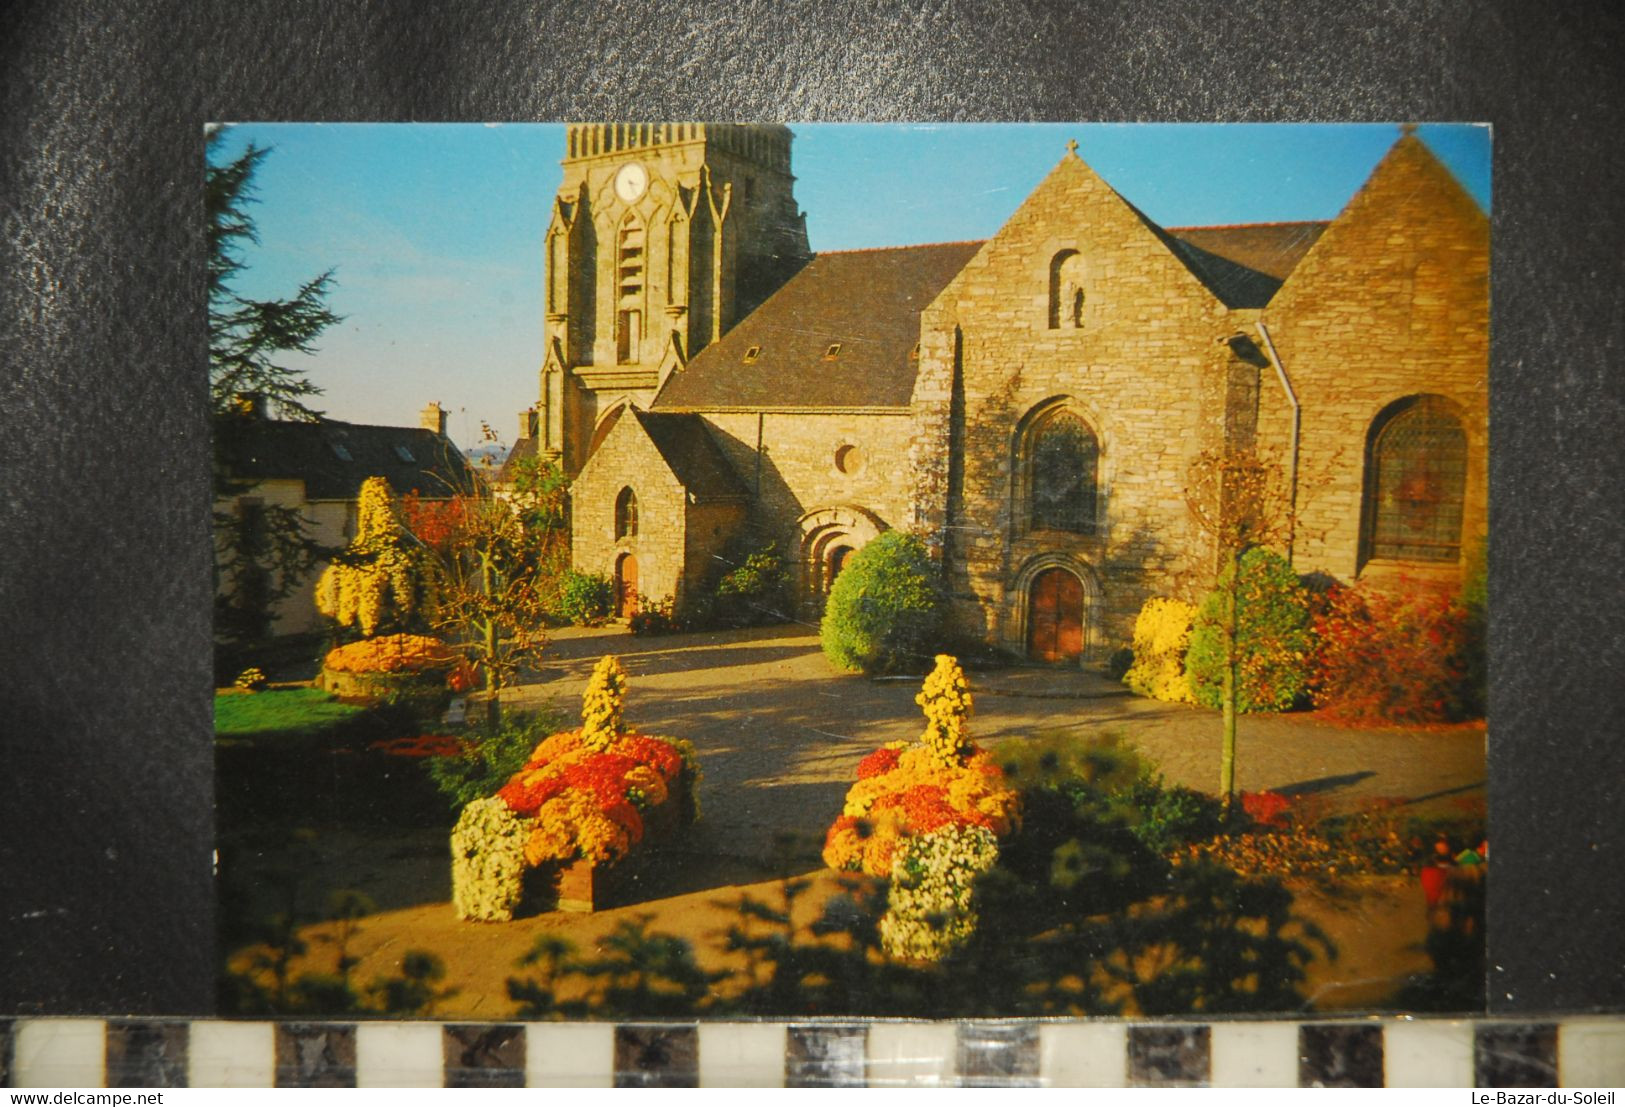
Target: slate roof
{"x": 523, "y": 450}
{"x": 1273, "y": 249}
{"x": 868, "y": 301}
{"x": 693, "y": 455}
{"x": 410, "y": 458}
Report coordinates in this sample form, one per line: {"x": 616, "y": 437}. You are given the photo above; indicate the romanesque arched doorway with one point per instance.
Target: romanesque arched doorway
{"x": 1055, "y": 611}
{"x": 829, "y": 538}
{"x": 626, "y": 586}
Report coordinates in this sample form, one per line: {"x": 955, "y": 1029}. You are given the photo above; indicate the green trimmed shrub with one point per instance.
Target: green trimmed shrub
{"x": 885, "y": 609}
{"x": 1273, "y": 639}
{"x": 585, "y": 599}
{"x": 748, "y": 586}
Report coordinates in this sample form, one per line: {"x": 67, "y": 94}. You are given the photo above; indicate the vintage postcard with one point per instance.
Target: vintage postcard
{"x": 672, "y": 570}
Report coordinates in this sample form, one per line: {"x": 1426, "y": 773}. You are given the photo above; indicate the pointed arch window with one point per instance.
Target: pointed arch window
{"x": 1066, "y": 291}
{"x": 1061, "y": 467}
{"x": 626, "y": 514}
{"x": 1416, "y": 482}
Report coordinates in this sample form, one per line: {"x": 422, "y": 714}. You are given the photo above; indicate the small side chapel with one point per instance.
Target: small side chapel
{"x": 1029, "y": 405}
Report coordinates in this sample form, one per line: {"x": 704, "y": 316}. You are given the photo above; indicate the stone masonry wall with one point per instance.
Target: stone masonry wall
{"x": 1145, "y": 369}
{"x": 1393, "y": 301}
{"x": 799, "y": 473}
{"x": 710, "y": 526}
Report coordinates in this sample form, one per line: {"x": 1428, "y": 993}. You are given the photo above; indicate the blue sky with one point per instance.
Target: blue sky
{"x": 435, "y": 230}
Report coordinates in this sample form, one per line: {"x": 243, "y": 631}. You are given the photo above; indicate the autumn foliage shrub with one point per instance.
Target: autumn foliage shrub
{"x": 1161, "y": 636}
{"x": 381, "y": 579}
{"x": 1273, "y": 642}
{"x": 1395, "y": 657}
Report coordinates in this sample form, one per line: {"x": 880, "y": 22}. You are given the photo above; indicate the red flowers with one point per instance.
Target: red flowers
{"x": 525, "y": 792}
{"x": 883, "y": 760}
{"x": 925, "y": 808}
{"x": 601, "y": 774}
{"x": 660, "y": 756}
{"x": 462, "y": 678}
{"x": 603, "y": 778}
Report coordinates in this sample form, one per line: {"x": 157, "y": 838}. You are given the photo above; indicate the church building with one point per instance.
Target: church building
{"x": 1029, "y": 405}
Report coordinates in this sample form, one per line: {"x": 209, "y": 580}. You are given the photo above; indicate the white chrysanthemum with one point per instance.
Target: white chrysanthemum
{"x": 929, "y": 907}
{"x": 488, "y": 861}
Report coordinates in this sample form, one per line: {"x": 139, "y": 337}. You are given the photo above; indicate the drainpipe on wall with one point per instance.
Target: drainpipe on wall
{"x": 758, "y": 491}
{"x": 1297, "y": 419}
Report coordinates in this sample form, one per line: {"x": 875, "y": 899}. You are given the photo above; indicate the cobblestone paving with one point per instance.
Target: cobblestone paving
{"x": 780, "y": 733}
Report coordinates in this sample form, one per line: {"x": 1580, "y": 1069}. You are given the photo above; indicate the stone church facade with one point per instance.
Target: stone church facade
{"x": 1029, "y": 405}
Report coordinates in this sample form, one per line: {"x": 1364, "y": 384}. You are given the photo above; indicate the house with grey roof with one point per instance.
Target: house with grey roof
{"x": 316, "y": 469}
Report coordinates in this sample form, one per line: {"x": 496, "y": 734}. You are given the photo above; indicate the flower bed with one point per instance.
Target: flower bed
{"x": 583, "y": 802}
{"x": 394, "y": 665}
{"x": 423, "y": 745}
{"x": 1297, "y": 838}
{"x": 927, "y": 816}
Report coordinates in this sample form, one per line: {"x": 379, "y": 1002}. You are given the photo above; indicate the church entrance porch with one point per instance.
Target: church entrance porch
{"x": 1055, "y": 617}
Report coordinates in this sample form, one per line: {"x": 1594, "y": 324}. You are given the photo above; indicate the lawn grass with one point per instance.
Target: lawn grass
{"x": 299, "y": 712}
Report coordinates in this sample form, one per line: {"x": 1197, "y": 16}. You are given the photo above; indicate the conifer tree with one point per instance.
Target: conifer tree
{"x": 247, "y": 337}
{"x": 262, "y": 551}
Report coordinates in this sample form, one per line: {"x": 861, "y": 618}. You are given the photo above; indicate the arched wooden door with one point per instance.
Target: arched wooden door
{"x": 1055, "y": 616}
{"x": 626, "y": 587}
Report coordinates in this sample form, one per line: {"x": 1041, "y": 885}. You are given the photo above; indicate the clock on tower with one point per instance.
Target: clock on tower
{"x": 663, "y": 236}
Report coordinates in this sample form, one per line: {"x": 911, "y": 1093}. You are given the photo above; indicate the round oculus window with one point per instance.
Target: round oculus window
{"x": 849, "y": 459}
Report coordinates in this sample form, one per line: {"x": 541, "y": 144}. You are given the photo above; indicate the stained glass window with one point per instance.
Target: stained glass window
{"x": 1417, "y": 483}
{"x": 1062, "y": 461}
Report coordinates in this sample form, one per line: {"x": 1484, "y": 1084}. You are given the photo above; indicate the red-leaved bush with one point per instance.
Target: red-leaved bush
{"x": 1399, "y": 657}
{"x": 1266, "y": 808}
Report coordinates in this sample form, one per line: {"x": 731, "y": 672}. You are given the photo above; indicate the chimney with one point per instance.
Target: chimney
{"x": 527, "y": 423}
{"x": 433, "y": 419}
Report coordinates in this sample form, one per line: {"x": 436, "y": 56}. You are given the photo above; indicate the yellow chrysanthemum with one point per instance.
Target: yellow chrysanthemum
{"x": 946, "y": 699}
{"x": 601, "y": 705}
{"x": 649, "y": 782}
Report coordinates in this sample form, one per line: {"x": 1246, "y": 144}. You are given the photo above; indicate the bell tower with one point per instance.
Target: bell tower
{"x": 663, "y": 235}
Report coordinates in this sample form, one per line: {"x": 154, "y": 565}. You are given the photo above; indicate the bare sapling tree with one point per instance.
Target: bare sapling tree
{"x": 1240, "y": 499}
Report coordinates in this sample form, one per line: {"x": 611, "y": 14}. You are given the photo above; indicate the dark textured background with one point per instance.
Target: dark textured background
{"x": 105, "y": 826}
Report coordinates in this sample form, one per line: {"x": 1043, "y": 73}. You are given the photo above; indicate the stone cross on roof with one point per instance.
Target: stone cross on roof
{"x": 1072, "y": 146}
